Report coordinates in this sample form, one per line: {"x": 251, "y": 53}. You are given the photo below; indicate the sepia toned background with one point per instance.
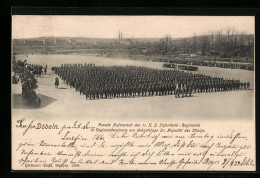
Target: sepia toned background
{"x": 217, "y": 112}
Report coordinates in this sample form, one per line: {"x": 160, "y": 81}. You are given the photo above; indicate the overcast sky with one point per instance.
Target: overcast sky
{"x": 130, "y": 26}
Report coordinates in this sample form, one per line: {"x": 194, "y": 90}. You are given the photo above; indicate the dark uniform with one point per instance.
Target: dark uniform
{"x": 98, "y": 82}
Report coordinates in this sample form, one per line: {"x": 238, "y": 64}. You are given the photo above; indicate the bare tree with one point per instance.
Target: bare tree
{"x": 194, "y": 43}
{"x": 212, "y": 40}
{"x": 241, "y": 38}
{"x": 167, "y": 41}
{"x": 228, "y": 30}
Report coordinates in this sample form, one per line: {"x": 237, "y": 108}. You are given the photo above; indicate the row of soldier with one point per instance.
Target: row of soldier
{"x": 231, "y": 65}
{"x": 129, "y": 81}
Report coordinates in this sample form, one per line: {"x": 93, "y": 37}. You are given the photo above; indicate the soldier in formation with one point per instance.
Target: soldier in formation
{"x": 99, "y": 82}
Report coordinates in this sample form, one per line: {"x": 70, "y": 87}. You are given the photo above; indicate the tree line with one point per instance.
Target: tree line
{"x": 224, "y": 43}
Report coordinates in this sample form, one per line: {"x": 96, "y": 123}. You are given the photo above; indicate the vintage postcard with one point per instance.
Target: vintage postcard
{"x": 145, "y": 93}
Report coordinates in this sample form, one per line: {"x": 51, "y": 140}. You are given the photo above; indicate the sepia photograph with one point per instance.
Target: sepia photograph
{"x": 183, "y": 67}
{"x": 174, "y": 72}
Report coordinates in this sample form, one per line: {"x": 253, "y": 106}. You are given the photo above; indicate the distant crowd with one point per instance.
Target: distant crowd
{"x": 234, "y": 65}
{"x": 26, "y": 74}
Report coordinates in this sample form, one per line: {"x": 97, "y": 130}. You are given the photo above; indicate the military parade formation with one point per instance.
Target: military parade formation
{"x": 100, "y": 82}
